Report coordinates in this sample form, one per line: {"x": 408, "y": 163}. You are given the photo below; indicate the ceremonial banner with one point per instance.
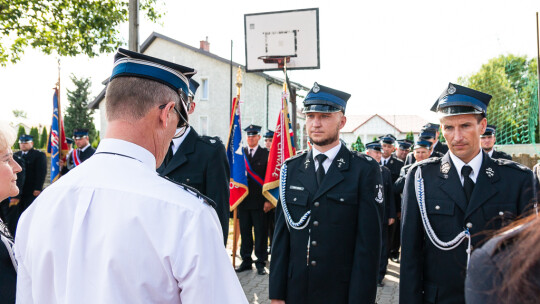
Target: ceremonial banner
{"x": 238, "y": 184}
{"x": 282, "y": 148}
{"x": 57, "y": 146}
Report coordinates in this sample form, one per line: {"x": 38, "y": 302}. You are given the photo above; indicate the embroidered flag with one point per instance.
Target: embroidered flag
{"x": 57, "y": 146}
{"x": 282, "y": 148}
{"x": 238, "y": 184}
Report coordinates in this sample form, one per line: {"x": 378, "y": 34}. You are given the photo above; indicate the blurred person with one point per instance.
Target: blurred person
{"x": 488, "y": 140}
{"x": 270, "y": 215}
{"x": 200, "y": 162}
{"x": 426, "y": 135}
{"x": 404, "y": 147}
{"x": 437, "y": 145}
{"x": 268, "y": 137}
{"x": 328, "y": 233}
{"x": 113, "y": 230}
{"x": 8, "y": 188}
{"x": 449, "y": 201}
{"x": 422, "y": 151}
{"x": 83, "y": 151}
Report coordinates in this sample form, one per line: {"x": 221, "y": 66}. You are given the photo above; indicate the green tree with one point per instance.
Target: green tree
{"x": 44, "y": 138}
{"x": 77, "y": 114}
{"x": 96, "y": 140}
{"x": 65, "y": 27}
{"x": 410, "y": 136}
{"x": 358, "y": 145}
{"x": 20, "y": 132}
{"x": 35, "y": 134}
{"x": 19, "y": 113}
{"x": 513, "y": 83}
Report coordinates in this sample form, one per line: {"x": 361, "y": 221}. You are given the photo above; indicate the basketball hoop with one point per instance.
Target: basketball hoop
{"x": 279, "y": 60}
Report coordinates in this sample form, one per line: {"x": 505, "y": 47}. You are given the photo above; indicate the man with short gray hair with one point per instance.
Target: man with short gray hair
{"x": 114, "y": 231}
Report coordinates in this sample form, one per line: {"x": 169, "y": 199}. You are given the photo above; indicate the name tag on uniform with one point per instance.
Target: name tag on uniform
{"x": 296, "y": 188}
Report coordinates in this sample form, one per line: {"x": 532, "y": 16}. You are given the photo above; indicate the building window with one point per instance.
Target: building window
{"x": 204, "y": 89}
{"x": 203, "y": 125}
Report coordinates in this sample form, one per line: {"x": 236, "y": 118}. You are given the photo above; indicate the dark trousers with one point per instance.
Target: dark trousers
{"x": 253, "y": 219}
{"x": 394, "y": 241}
{"x": 384, "y": 251}
{"x": 270, "y": 223}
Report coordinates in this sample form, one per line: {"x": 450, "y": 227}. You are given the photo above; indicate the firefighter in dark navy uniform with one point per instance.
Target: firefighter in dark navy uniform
{"x": 449, "y": 201}
{"x": 83, "y": 152}
{"x": 327, "y": 240}
{"x": 488, "y": 140}
{"x": 200, "y": 162}
{"x": 430, "y": 135}
{"x": 422, "y": 151}
{"x": 252, "y": 210}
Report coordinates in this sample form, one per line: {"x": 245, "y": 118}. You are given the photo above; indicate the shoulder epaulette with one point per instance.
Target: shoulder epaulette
{"x": 429, "y": 160}
{"x": 298, "y": 154}
{"x": 192, "y": 191}
{"x": 510, "y": 163}
{"x": 363, "y": 156}
{"x": 211, "y": 140}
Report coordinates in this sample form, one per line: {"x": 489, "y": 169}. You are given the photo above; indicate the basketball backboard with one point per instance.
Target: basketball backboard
{"x": 272, "y": 36}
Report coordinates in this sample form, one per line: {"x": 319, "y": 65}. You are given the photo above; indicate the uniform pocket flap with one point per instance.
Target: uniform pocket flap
{"x": 499, "y": 210}
{"x": 297, "y": 198}
{"x": 343, "y": 198}
{"x": 440, "y": 207}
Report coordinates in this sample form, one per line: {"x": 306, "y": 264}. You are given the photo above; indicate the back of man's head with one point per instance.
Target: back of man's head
{"x": 131, "y": 98}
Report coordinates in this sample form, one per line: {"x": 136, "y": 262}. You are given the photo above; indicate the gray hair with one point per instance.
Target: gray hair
{"x": 7, "y": 136}
{"x": 132, "y": 98}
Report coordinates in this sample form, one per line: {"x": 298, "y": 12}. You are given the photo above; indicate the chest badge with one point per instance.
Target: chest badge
{"x": 490, "y": 172}
{"x": 340, "y": 162}
{"x": 445, "y": 168}
{"x": 379, "y": 198}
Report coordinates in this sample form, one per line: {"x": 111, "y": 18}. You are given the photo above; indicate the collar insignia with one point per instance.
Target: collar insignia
{"x": 490, "y": 172}
{"x": 445, "y": 168}
{"x": 369, "y": 158}
{"x": 340, "y": 162}
{"x": 213, "y": 141}
{"x": 306, "y": 162}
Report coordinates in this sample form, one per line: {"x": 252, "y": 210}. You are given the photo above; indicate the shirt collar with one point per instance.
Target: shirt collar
{"x": 126, "y": 148}
{"x": 176, "y": 142}
{"x": 254, "y": 149}
{"x": 385, "y": 159}
{"x": 331, "y": 154}
{"x": 490, "y": 153}
{"x": 475, "y": 164}
{"x": 85, "y": 147}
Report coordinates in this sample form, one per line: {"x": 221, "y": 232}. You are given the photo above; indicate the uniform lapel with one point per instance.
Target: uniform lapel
{"x": 334, "y": 176}
{"x": 179, "y": 158}
{"x": 450, "y": 182}
{"x": 484, "y": 188}
{"x": 306, "y": 174}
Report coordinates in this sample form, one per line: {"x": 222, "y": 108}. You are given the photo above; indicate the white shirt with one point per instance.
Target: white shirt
{"x": 251, "y": 153}
{"x": 330, "y": 154}
{"x": 384, "y": 161}
{"x": 176, "y": 142}
{"x": 113, "y": 231}
{"x": 490, "y": 153}
{"x": 475, "y": 164}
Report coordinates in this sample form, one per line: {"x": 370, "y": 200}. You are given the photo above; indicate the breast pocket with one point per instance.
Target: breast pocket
{"x": 499, "y": 214}
{"x": 441, "y": 216}
{"x": 343, "y": 198}
{"x": 193, "y": 180}
{"x": 342, "y": 208}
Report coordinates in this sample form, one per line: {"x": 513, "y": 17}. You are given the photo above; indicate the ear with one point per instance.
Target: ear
{"x": 342, "y": 122}
{"x": 191, "y": 107}
{"x": 165, "y": 114}
{"x": 483, "y": 125}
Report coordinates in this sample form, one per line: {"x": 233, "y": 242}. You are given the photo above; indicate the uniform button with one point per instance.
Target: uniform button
{"x": 469, "y": 225}
{"x": 313, "y": 243}
{"x": 313, "y": 263}
{"x": 316, "y": 223}
{"x": 342, "y": 199}
{"x": 316, "y": 204}
{"x": 437, "y": 207}
{"x": 187, "y": 180}
{"x": 501, "y": 213}
{"x": 294, "y": 199}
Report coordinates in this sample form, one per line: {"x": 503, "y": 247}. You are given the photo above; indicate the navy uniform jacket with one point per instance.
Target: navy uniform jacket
{"x": 36, "y": 170}
{"x": 394, "y": 164}
{"x": 503, "y": 190}
{"x": 201, "y": 162}
{"x": 344, "y": 232}
{"x": 500, "y": 154}
{"x": 441, "y": 147}
{"x": 255, "y": 199}
{"x": 389, "y": 203}
{"x": 410, "y": 159}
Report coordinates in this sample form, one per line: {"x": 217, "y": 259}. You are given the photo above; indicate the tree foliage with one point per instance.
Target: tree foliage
{"x": 43, "y": 138}
{"x": 513, "y": 83}
{"x": 358, "y": 145}
{"x": 410, "y": 136}
{"x": 20, "y": 132}
{"x": 65, "y": 27}
{"x": 19, "y": 113}
{"x": 77, "y": 115}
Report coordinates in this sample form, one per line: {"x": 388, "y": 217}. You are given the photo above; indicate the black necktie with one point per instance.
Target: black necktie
{"x": 468, "y": 184}
{"x": 320, "y": 171}
{"x": 169, "y": 154}
{"x": 250, "y": 152}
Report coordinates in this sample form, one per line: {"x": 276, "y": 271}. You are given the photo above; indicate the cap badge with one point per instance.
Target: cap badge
{"x": 445, "y": 168}
{"x": 379, "y": 198}
{"x": 316, "y": 88}
{"x": 490, "y": 172}
{"x": 451, "y": 90}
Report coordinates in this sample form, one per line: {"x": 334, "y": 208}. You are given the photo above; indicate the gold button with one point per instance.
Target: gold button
{"x": 437, "y": 207}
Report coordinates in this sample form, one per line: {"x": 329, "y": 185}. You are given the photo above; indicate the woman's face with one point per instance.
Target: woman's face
{"x": 8, "y": 174}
